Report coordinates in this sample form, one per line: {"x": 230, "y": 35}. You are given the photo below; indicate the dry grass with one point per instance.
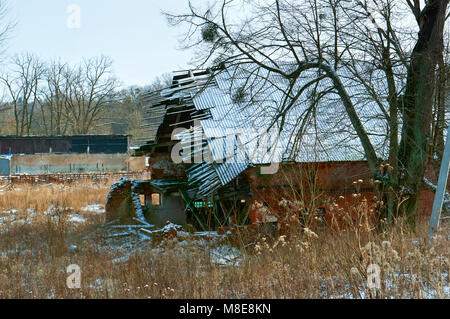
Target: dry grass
{"x": 36, "y": 247}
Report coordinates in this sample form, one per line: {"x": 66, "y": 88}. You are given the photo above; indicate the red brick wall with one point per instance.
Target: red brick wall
{"x": 333, "y": 184}
{"x": 161, "y": 166}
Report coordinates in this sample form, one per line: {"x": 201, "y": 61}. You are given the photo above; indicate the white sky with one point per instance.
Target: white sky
{"x": 132, "y": 32}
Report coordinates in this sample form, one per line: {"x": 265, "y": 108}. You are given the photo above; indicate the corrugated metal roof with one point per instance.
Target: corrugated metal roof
{"x": 157, "y": 104}
{"x": 242, "y": 103}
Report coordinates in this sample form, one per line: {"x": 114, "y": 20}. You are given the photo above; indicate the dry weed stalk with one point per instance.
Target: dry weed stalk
{"x": 35, "y": 249}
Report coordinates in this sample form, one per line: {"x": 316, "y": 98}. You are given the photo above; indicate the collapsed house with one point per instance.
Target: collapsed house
{"x": 223, "y": 147}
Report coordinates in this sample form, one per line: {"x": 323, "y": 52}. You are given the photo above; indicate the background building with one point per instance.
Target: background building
{"x": 63, "y": 154}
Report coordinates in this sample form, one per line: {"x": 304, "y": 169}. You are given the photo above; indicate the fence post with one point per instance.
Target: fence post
{"x": 440, "y": 189}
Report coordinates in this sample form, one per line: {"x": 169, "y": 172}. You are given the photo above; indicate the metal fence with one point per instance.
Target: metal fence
{"x": 69, "y": 178}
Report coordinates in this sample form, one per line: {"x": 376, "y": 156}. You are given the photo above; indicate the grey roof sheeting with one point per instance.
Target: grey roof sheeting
{"x": 156, "y": 104}
{"x": 242, "y": 124}
{"x": 329, "y": 136}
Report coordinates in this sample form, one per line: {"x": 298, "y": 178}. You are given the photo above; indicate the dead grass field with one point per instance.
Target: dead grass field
{"x": 44, "y": 229}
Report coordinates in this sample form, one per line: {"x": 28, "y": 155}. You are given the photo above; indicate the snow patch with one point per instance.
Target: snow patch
{"x": 94, "y": 208}
{"x": 77, "y": 219}
{"x": 226, "y": 255}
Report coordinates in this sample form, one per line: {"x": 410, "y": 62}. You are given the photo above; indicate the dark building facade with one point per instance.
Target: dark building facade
{"x": 78, "y": 144}
{"x": 36, "y": 155}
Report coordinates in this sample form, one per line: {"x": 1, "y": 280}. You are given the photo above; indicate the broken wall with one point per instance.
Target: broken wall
{"x": 325, "y": 183}
{"x": 171, "y": 208}
{"x": 162, "y": 166}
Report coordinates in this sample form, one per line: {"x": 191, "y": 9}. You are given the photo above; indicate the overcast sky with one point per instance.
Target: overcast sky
{"x": 132, "y": 32}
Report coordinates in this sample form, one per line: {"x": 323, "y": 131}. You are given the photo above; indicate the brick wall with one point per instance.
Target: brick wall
{"x": 322, "y": 185}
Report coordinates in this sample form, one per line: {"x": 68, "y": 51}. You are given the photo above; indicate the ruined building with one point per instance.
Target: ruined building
{"x": 228, "y": 147}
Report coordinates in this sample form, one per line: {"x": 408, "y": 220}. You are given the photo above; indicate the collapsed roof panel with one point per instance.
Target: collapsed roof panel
{"x": 236, "y": 108}
{"x": 157, "y": 104}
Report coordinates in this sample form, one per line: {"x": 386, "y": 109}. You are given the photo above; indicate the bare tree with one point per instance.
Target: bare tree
{"x": 376, "y": 44}
{"x": 126, "y": 113}
{"x": 89, "y": 89}
{"x": 22, "y": 85}
{"x": 389, "y": 42}
{"x": 6, "y": 26}
{"x": 419, "y": 96}
{"x": 441, "y": 100}
{"x": 55, "y": 99}
{"x": 52, "y": 99}
{"x": 297, "y": 31}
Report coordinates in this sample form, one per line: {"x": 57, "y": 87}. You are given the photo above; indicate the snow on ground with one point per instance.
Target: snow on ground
{"x": 94, "y": 208}
{"x": 19, "y": 217}
{"x": 74, "y": 218}
{"x": 226, "y": 255}
{"x": 15, "y": 217}
{"x": 126, "y": 240}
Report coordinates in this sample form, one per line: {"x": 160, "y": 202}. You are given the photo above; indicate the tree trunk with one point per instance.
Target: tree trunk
{"x": 418, "y": 103}
{"x": 437, "y": 147}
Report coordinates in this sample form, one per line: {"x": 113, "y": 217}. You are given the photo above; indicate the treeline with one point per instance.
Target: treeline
{"x": 55, "y": 98}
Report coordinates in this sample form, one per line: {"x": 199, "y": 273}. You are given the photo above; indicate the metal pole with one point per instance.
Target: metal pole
{"x": 440, "y": 189}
